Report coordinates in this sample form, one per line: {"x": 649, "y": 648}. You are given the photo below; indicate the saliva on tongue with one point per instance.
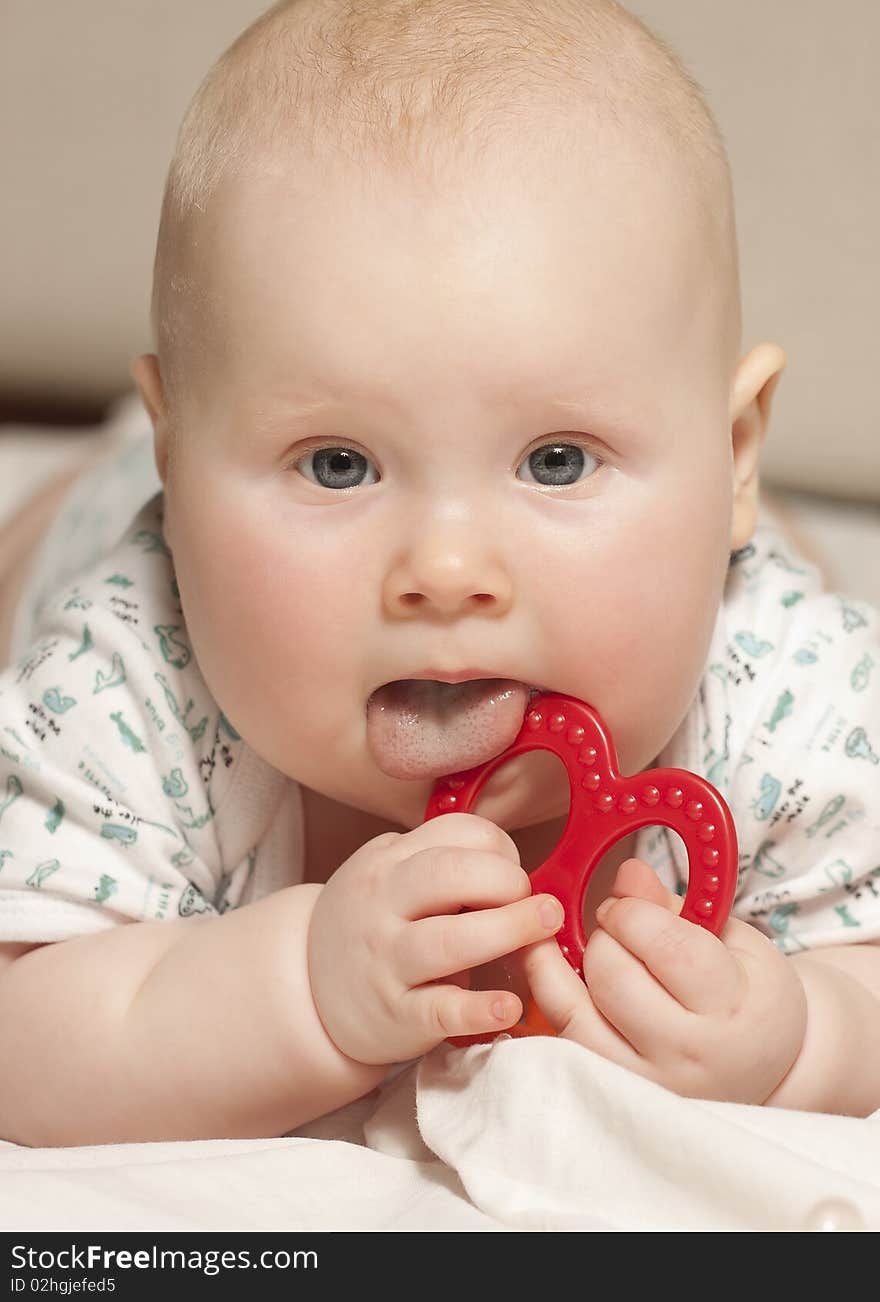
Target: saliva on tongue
{"x": 420, "y": 728}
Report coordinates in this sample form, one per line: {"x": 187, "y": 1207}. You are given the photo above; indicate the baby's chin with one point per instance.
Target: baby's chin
{"x": 526, "y": 791}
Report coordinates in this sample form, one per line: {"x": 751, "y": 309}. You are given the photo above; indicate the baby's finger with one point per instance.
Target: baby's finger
{"x": 445, "y": 1010}
{"x": 556, "y": 987}
{"x": 444, "y": 879}
{"x": 466, "y": 831}
{"x": 632, "y": 1000}
{"x": 636, "y": 878}
{"x": 694, "y": 966}
{"x": 566, "y": 1004}
{"x": 437, "y": 947}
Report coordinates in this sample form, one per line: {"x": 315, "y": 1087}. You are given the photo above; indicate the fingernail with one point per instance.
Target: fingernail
{"x": 604, "y": 907}
{"x": 551, "y": 914}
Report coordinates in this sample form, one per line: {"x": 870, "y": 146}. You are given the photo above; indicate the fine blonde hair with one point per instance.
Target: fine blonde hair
{"x": 420, "y": 85}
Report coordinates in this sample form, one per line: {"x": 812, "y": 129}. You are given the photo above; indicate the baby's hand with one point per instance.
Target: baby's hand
{"x": 706, "y": 1017}
{"x": 388, "y": 949}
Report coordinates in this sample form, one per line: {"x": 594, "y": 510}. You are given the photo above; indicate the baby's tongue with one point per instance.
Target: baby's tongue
{"x": 425, "y": 729}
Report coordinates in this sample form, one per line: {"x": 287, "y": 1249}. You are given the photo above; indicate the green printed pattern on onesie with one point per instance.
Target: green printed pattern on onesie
{"x": 112, "y": 747}
{"x": 788, "y": 726}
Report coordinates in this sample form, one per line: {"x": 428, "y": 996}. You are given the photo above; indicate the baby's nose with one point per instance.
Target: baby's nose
{"x": 449, "y": 577}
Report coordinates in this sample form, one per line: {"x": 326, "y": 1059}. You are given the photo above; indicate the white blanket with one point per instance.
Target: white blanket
{"x": 521, "y": 1135}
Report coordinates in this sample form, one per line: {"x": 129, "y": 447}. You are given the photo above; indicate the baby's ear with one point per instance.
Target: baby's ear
{"x": 145, "y": 372}
{"x": 750, "y": 401}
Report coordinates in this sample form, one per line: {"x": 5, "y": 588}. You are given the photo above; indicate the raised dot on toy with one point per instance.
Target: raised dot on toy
{"x": 604, "y": 807}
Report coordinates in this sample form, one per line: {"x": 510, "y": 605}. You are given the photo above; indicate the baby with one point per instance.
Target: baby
{"x": 449, "y": 407}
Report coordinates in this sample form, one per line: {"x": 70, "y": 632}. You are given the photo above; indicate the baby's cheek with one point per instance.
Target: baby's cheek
{"x": 642, "y": 621}
{"x": 291, "y": 600}
{"x": 239, "y": 593}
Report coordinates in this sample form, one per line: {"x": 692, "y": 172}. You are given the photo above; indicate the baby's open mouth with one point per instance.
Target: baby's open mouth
{"x": 420, "y": 728}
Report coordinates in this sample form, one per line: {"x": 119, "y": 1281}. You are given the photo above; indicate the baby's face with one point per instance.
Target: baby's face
{"x": 529, "y": 400}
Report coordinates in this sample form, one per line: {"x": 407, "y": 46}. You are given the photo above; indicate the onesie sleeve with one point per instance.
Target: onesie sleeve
{"x": 110, "y": 745}
{"x": 805, "y": 783}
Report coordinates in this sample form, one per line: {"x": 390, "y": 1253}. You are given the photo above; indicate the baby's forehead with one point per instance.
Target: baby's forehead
{"x": 518, "y": 286}
{"x": 611, "y": 214}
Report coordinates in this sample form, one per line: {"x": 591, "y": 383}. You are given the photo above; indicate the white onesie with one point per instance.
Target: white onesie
{"x": 126, "y": 795}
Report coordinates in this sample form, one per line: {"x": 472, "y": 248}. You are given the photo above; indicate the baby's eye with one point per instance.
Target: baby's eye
{"x": 559, "y": 464}
{"x": 335, "y": 467}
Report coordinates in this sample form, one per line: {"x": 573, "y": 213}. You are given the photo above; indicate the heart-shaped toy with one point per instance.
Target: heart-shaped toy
{"x": 605, "y": 807}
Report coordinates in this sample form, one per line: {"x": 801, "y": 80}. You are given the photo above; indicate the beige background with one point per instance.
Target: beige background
{"x": 91, "y": 94}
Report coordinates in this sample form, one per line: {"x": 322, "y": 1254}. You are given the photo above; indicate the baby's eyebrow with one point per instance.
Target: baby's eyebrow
{"x": 571, "y": 395}
{"x": 576, "y": 405}
{"x": 292, "y": 405}
{"x": 304, "y": 408}
{"x": 283, "y": 407}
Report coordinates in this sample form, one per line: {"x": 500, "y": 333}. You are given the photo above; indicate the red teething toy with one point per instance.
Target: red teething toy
{"x": 605, "y": 807}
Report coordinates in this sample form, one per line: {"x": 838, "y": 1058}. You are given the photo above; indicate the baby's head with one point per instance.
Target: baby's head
{"x": 448, "y": 381}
